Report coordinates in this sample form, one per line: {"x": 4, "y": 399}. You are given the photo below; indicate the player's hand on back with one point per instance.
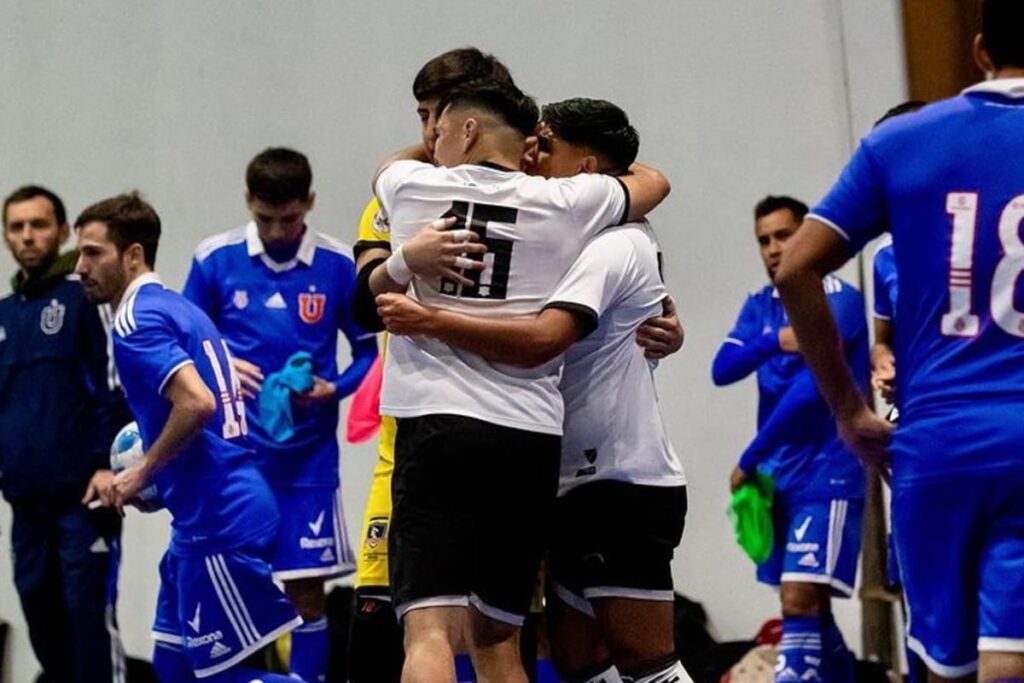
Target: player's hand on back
{"x": 249, "y": 376}
{"x": 402, "y": 315}
{"x": 99, "y": 491}
{"x": 663, "y": 335}
{"x": 868, "y": 436}
{"x": 321, "y": 391}
{"x": 438, "y": 252}
{"x": 787, "y": 340}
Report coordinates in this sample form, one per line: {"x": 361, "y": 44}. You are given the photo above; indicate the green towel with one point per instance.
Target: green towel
{"x": 751, "y": 514}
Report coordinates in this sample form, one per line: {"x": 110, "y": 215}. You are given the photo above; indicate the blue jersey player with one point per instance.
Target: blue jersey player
{"x": 218, "y": 602}
{"x": 885, "y": 288}
{"x": 274, "y": 287}
{"x": 948, "y": 183}
{"x": 819, "y": 485}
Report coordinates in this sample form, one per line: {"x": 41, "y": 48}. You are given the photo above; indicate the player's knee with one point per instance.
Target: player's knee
{"x": 803, "y": 599}
{"x": 486, "y": 633}
{"x": 632, "y": 655}
{"x": 307, "y": 595}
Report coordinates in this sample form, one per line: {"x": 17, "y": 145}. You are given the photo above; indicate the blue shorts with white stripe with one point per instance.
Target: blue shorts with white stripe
{"x": 815, "y": 542}
{"x": 221, "y": 607}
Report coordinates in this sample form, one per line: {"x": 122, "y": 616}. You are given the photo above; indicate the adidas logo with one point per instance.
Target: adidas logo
{"x": 327, "y": 555}
{"x": 219, "y": 649}
{"x": 276, "y": 301}
{"x": 99, "y": 546}
{"x": 808, "y": 560}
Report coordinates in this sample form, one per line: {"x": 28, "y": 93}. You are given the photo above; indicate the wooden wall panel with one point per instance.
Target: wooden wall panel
{"x": 938, "y": 36}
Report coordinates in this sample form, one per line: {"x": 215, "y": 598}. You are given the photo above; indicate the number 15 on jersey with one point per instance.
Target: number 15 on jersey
{"x": 492, "y": 281}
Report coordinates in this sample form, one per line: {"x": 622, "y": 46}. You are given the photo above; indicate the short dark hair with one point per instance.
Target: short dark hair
{"x": 278, "y": 175}
{"x": 26, "y": 192}
{"x": 129, "y": 220}
{"x": 598, "y": 125}
{"x": 454, "y": 68}
{"x": 505, "y": 101}
{"x": 1002, "y": 28}
{"x": 773, "y": 203}
{"x": 908, "y": 107}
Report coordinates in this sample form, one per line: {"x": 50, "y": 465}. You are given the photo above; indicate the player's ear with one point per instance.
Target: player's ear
{"x": 590, "y": 164}
{"x": 982, "y": 57}
{"x": 135, "y": 254}
{"x": 63, "y": 232}
{"x": 310, "y": 201}
{"x": 470, "y": 133}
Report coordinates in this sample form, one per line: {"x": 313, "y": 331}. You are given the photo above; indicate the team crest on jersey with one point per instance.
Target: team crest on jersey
{"x": 376, "y": 532}
{"x": 380, "y": 223}
{"x": 311, "y": 306}
{"x": 240, "y": 299}
{"x": 52, "y": 318}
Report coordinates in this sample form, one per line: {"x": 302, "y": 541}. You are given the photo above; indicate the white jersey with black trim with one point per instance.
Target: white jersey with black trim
{"x": 534, "y": 229}
{"x": 613, "y": 428}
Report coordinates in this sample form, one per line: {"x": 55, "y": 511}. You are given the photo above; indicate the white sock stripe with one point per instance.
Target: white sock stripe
{"x": 225, "y": 604}
{"x": 247, "y": 619}
{"x": 673, "y": 673}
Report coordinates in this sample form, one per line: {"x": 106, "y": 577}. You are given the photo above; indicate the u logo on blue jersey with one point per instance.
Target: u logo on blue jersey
{"x": 311, "y": 307}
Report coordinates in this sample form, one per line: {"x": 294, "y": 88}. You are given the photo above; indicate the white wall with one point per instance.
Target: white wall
{"x": 733, "y": 100}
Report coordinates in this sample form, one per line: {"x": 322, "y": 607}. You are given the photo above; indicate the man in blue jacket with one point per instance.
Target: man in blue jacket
{"x": 819, "y": 484}
{"x": 60, "y": 406}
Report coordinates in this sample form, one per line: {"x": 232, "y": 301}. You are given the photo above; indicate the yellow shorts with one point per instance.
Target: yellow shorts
{"x": 372, "y": 556}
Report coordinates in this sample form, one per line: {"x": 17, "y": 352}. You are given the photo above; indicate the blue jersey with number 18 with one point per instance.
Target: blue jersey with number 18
{"x": 216, "y": 496}
{"x": 948, "y": 182}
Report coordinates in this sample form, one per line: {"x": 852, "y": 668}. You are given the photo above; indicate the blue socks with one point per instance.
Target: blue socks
{"x": 464, "y": 669}
{"x": 839, "y": 661}
{"x": 800, "y": 654}
{"x": 309, "y": 651}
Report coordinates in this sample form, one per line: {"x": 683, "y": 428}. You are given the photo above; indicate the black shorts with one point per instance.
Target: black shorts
{"x": 472, "y": 509}
{"x": 615, "y": 539}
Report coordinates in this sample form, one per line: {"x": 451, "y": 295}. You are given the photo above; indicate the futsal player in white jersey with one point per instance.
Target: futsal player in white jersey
{"x": 622, "y": 495}
{"x": 477, "y": 453}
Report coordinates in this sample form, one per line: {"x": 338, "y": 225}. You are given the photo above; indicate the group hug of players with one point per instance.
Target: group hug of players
{"x": 521, "y": 421}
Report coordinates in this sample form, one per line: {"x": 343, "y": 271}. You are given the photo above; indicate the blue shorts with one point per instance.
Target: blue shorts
{"x": 220, "y": 608}
{"x": 815, "y": 542}
{"x": 312, "y": 539}
{"x": 960, "y": 544}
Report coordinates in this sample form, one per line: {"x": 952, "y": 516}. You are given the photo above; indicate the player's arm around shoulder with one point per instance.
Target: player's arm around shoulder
{"x": 524, "y": 342}
{"x": 647, "y": 188}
